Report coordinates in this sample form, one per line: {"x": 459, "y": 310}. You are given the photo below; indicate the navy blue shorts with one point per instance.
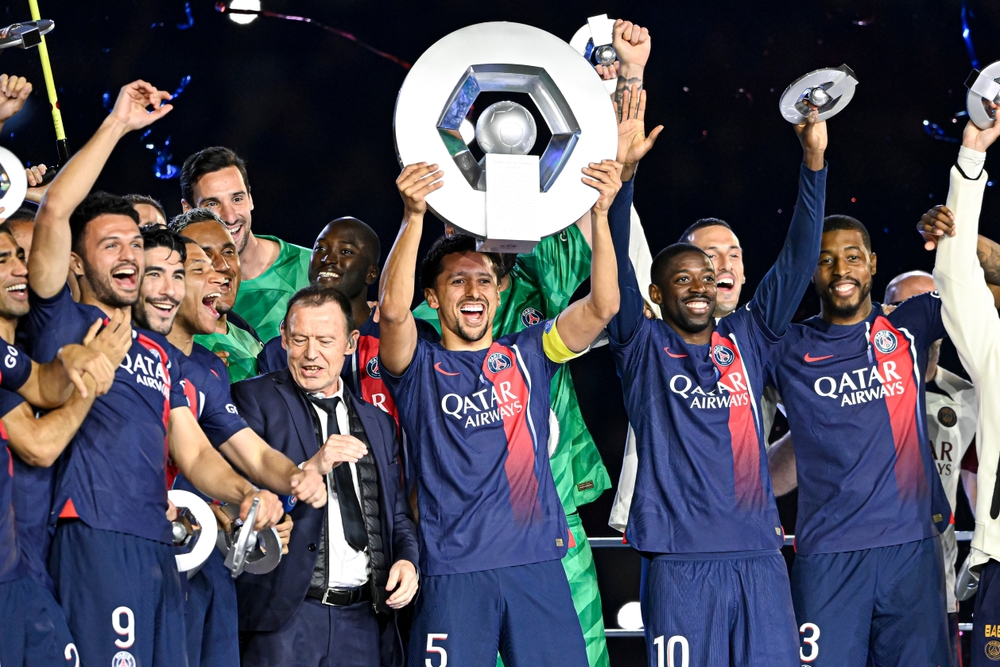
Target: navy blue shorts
{"x": 717, "y": 610}
{"x": 887, "y": 602}
{"x": 121, "y": 595}
{"x": 33, "y": 631}
{"x": 986, "y": 619}
{"x": 211, "y": 616}
{"x": 525, "y": 613}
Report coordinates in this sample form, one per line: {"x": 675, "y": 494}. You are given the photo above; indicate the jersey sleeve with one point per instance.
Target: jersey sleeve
{"x": 558, "y": 265}
{"x": 176, "y": 369}
{"x": 781, "y": 290}
{"x": 9, "y": 400}
{"x": 401, "y": 387}
{"x": 52, "y": 323}
{"x": 220, "y": 420}
{"x": 921, "y": 315}
{"x": 629, "y": 317}
{"x": 16, "y": 368}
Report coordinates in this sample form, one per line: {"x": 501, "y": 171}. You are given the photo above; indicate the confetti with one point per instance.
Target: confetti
{"x": 967, "y": 37}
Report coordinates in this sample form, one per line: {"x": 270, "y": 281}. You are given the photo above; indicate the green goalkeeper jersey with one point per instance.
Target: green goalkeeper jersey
{"x": 241, "y": 347}
{"x": 261, "y": 301}
{"x": 541, "y": 286}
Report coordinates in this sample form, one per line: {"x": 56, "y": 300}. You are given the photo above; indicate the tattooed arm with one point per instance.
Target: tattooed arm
{"x": 632, "y": 44}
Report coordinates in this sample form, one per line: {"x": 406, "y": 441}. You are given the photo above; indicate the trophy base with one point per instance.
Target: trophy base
{"x": 507, "y": 246}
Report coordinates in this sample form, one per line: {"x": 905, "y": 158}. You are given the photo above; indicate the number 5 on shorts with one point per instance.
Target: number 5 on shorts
{"x": 431, "y": 648}
{"x": 671, "y": 651}
{"x": 809, "y": 641}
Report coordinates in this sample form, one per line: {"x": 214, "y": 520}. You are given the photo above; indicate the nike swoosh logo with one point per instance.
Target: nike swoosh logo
{"x": 674, "y": 356}
{"x": 810, "y": 359}
{"x": 442, "y": 371}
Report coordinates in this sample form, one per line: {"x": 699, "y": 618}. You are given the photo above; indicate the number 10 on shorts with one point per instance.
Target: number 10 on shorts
{"x": 671, "y": 651}
{"x": 431, "y": 648}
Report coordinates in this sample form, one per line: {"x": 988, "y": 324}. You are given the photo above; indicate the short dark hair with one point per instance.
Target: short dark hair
{"x": 180, "y": 222}
{"x": 836, "y": 223}
{"x": 94, "y": 205}
{"x": 701, "y": 224}
{"x": 315, "y": 295}
{"x": 149, "y": 201}
{"x": 24, "y": 213}
{"x": 5, "y": 229}
{"x": 664, "y": 257}
{"x": 206, "y": 161}
{"x": 431, "y": 267}
{"x": 159, "y": 237}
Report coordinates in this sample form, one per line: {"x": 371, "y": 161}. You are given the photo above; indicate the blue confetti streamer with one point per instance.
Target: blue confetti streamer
{"x": 106, "y": 99}
{"x": 190, "y": 18}
{"x": 182, "y": 85}
{"x": 967, "y": 37}
{"x": 162, "y": 168}
{"x": 935, "y": 131}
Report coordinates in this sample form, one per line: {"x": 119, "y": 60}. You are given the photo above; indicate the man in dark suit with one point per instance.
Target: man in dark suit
{"x": 332, "y": 601}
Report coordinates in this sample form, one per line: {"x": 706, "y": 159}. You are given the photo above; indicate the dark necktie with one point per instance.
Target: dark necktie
{"x": 343, "y": 483}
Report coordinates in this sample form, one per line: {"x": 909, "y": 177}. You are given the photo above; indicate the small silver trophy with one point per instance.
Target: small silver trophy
{"x": 831, "y": 90}
{"x": 984, "y": 88}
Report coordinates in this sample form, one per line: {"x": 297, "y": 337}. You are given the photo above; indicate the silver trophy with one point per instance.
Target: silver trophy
{"x": 528, "y": 196}
{"x": 13, "y": 183}
{"x": 245, "y": 549}
{"x": 984, "y": 87}
{"x": 26, "y": 34}
{"x": 593, "y": 42}
{"x": 831, "y": 90}
{"x": 195, "y": 531}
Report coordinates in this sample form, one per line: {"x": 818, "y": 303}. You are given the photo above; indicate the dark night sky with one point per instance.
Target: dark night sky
{"x": 312, "y": 114}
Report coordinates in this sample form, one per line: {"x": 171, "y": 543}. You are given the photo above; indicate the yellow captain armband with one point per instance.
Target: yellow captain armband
{"x": 555, "y": 348}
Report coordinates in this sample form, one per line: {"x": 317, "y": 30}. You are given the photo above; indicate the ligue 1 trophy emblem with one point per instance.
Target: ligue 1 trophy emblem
{"x": 984, "y": 88}
{"x": 830, "y": 90}
{"x": 13, "y": 183}
{"x": 509, "y": 199}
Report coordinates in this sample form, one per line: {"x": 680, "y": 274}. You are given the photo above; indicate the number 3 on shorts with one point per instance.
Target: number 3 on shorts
{"x": 431, "y": 648}
{"x": 672, "y": 651}
{"x": 809, "y": 641}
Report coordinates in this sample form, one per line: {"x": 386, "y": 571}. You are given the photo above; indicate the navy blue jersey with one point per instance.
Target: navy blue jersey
{"x": 15, "y": 372}
{"x": 361, "y": 372}
{"x": 702, "y": 483}
{"x": 112, "y": 473}
{"x": 478, "y": 426}
{"x": 854, "y": 397}
{"x": 206, "y": 390}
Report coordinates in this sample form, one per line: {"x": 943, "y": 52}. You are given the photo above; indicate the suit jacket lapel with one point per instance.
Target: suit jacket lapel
{"x": 298, "y": 411}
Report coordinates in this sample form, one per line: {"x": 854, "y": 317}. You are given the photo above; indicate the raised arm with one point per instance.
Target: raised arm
{"x": 940, "y": 221}
{"x": 780, "y": 291}
{"x": 967, "y": 304}
{"x": 632, "y": 44}
{"x": 14, "y": 91}
{"x": 583, "y": 320}
{"x": 48, "y": 264}
{"x": 397, "y": 330}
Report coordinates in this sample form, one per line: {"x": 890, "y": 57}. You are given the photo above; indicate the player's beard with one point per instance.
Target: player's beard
{"x": 103, "y": 290}
{"x": 845, "y": 310}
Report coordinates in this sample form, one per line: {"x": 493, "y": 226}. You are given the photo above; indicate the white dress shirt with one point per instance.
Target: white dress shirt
{"x": 347, "y": 568}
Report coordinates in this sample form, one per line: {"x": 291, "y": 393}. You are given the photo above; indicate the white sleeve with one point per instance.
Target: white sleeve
{"x": 642, "y": 260}
{"x": 967, "y": 303}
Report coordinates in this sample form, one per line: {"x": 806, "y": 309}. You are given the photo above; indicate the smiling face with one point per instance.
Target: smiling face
{"x": 722, "y": 246}
{"x": 162, "y": 290}
{"x": 342, "y": 258}
{"x": 215, "y": 240}
{"x": 466, "y": 296}
{"x": 686, "y": 293}
{"x": 225, "y": 193}
{"x": 111, "y": 266}
{"x": 843, "y": 276}
{"x": 316, "y": 341}
{"x": 198, "y": 313}
{"x": 13, "y": 279}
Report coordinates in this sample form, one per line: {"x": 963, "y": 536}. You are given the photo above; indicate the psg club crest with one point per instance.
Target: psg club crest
{"x": 723, "y": 355}
{"x": 372, "y": 369}
{"x": 947, "y": 417}
{"x": 123, "y": 659}
{"x": 885, "y": 341}
{"x": 497, "y": 362}
{"x": 530, "y": 316}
